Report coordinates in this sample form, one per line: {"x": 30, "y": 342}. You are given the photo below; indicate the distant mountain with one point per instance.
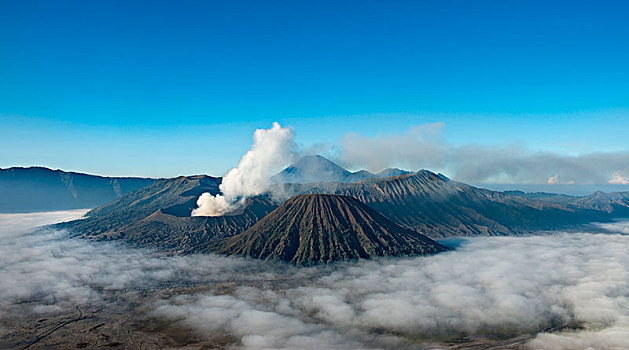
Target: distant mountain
{"x": 392, "y": 172}
{"x": 575, "y": 190}
{"x": 42, "y": 189}
{"x": 158, "y": 216}
{"x": 314, "y": 169}
{"x": 317, "y": 228}
{"x": 436, "y": 206}
{"x": 616, "y": 203}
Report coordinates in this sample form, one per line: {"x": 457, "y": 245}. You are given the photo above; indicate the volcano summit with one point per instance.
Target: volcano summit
{"x": 322, "y": 228}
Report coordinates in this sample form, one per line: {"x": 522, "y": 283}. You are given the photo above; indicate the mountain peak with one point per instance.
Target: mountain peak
{"x": 316, "y": 168}
{"x": 317, "y": 162}
{"x": 313, "y": 168}
{"x": 392, "y": 172}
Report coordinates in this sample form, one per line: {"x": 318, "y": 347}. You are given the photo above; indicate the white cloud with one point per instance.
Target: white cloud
{"x": 619, "y": 226}
{"x": 18, "y": 224}
{"x": 619, "y": 177}
{"x": 491, "y": 286}
{"x": 419, "y": 144}
{"x": 423, "y": 146}
{"x": 496, "y": 286}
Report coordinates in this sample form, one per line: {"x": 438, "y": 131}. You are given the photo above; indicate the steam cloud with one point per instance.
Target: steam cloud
{"x": 424, "y": 146}
{"x": 492, "y": 285}
{"x": 271, "y": 149}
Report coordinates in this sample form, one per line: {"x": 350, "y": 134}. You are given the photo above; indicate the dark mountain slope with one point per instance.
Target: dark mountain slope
{"x": 177, "y": 196}
{"x": 438, "y": 207}
{"x": 158, "y": 216}
{"x": 42, "y": 189}
{"x": 316, "y": 228}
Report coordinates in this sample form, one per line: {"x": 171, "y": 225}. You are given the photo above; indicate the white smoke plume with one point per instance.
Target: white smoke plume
{"x": 272, "y": 148}
{"x": 424, "y": 147}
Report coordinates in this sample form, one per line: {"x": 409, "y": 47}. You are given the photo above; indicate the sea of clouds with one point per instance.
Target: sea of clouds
{"x": 487, "y": 286}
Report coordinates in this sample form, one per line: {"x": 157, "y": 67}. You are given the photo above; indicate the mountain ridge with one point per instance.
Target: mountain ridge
{"x": 425, "y": 203}
{"x": 30, "y": 189}
{"x": 158, "y": 216}
{"x": 439, "y": 207}
{"x": 610, "y": 202}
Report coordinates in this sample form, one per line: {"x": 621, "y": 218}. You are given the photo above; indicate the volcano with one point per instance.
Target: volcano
{"x": 321, "y": 228}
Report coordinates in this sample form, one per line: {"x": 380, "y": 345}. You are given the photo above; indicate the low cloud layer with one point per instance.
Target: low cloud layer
{"x": 620, "y": 227}
{"x": 42, "y": 270}
{"x": 271, "y": 149}
{"x": 498, "y": 286}
{"x": 489, "y": 286}
{"x": 424, "y": 146}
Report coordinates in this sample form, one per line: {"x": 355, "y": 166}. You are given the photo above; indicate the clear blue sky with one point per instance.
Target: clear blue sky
{"x": 165, "y": 88}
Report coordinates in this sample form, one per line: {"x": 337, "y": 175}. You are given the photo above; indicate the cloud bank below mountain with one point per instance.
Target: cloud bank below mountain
{"x": 500, "y": 286}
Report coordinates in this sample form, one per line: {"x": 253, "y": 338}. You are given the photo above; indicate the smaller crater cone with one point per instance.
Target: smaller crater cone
{"x": 322, "y": 228}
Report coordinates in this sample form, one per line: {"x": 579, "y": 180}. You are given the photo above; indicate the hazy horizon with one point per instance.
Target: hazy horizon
{"x": 568, "y": 189}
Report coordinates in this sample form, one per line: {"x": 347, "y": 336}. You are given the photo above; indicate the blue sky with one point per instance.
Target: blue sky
{"x": 168, "y": 88}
